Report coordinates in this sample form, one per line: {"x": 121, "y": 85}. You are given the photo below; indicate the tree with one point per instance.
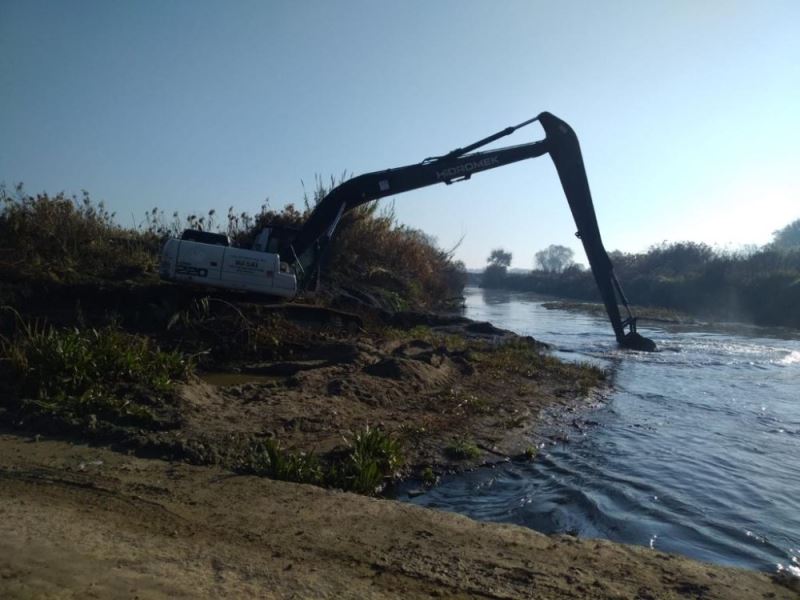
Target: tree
{"x": 499, "y": 258}
{"x": 787, "y": 238}
{"x": 677, "y": 258}
{"x": 499, "y": 261}
{"x": 554, "y": 258}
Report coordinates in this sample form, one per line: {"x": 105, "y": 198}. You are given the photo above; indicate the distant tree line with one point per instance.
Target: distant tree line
{"x": 755, "y": 284}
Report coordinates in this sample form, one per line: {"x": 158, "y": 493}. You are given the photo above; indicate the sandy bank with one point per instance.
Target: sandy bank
{"x": 88, "y": 522}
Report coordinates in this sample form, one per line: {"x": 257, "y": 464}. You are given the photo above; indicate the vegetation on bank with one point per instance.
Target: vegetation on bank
{"x": 70, "y": 239}
{"x": 761, "y": 286}
{"x": 93, "y": 345}
{"x": 108, "y": 384}
{"x": 369, "y": 459}
{"x": 98, "y": 371}
{"x": 88, "y": 380}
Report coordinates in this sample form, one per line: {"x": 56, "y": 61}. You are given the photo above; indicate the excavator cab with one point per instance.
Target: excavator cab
{"x": 279, "y": 239}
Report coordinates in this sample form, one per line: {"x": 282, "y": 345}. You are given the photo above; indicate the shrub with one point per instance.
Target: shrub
{"x": 371, "y": 248}
{"x": 68, "y": 238}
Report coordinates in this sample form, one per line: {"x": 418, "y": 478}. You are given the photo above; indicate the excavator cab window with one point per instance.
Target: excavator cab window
{"x": 278, "y": 237}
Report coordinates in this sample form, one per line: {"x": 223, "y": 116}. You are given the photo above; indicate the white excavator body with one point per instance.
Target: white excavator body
{"x": 216, "y": 264}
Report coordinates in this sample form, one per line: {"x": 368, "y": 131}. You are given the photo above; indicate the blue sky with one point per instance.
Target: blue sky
{"x": 688, "y": 112}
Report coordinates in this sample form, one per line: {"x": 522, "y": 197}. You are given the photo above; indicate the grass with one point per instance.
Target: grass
{"x": 462, "y": 449}
{"x": 87, "y": 378}
{"x": 268, "y": 459}
{"x": 370, "y": 458}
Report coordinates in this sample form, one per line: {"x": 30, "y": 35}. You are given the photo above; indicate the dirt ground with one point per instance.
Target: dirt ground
{"x": 83, "y": 522}
{"x": 310, "y": 378}
{"x": 430, "y": 392}
{"x": 173, "y": 512}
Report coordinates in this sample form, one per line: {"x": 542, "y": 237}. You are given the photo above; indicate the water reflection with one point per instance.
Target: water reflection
{"x": 492, "y": 297}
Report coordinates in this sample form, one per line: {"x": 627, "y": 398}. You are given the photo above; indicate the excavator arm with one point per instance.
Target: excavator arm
{"x": 459, "y": 165}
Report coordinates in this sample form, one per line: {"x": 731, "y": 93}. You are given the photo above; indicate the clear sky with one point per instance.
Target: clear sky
{"x": 688, "y": 112}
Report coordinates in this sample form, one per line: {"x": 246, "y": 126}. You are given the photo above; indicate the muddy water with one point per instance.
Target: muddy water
{"x": 697, "y": 451}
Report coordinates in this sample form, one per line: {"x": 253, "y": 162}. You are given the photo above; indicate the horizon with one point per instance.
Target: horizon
{"x": 687, "y": 114}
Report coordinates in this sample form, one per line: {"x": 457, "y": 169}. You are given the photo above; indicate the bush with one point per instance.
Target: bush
{"x": 68, "y": 238}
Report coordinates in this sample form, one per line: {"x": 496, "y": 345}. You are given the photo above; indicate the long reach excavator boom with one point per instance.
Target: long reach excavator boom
{"x": 459, "y": 165}
{"x": 302, "y": 249}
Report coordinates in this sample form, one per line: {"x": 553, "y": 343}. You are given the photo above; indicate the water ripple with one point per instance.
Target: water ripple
{"x": 696, "y": 452}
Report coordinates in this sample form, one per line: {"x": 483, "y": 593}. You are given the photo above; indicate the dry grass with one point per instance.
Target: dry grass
{"x": 72, "y": 239}
{"x": 68, "y": 238}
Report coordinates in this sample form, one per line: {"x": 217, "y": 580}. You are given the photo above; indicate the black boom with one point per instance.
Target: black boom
{"x": 459, "y": 165}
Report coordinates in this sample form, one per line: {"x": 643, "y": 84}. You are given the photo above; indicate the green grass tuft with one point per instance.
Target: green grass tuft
{"x": 268, "y": 459}
{"x": 86, "y": 376}
{"x": 462, "y": 449}
{"x": 372, "y": 456}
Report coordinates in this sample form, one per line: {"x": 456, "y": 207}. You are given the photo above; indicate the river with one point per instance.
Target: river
{"x": 696, "y": 452}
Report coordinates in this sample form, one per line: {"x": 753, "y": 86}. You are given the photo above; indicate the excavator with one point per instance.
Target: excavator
{"x": 283, "y": 260}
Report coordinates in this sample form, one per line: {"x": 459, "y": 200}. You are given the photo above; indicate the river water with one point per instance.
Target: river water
{"x": 696, "y": 452}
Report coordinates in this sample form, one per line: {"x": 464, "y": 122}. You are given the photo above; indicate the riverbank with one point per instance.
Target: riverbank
{"x": 758, "y": 287}
{"x": 83, "y": 521}
{"x": 117, "y": 519}
{"x": 338, "y": 393}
